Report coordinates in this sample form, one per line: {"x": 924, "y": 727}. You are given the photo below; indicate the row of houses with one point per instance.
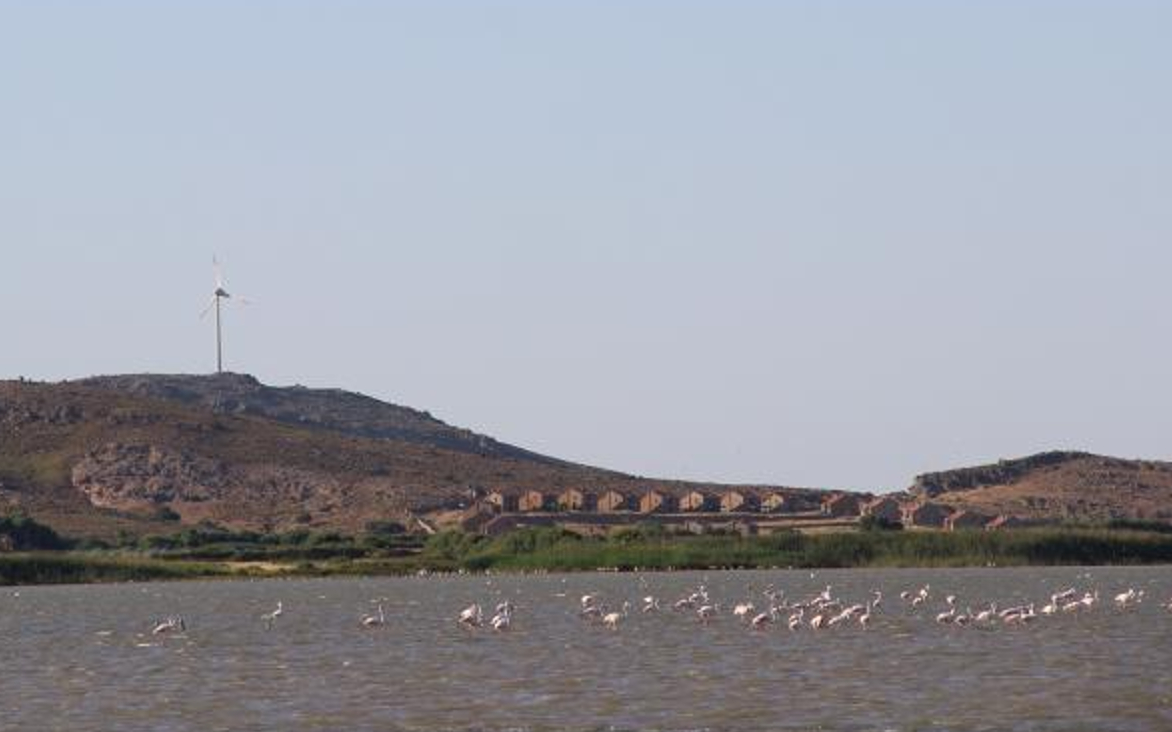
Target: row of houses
{"x": 923, "y": 514}
{"x": 930, "y": 515}
{"x": 650, "y": 501}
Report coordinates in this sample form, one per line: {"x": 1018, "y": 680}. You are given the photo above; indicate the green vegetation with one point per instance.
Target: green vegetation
{"x": 649, "y": 548}
{"x": 22, "y": 533}
{"x": 878, "y": 523}
{"x": 63, "y": 567}
{"x": 216, "y": 544}
{"x": 210, "y": 552}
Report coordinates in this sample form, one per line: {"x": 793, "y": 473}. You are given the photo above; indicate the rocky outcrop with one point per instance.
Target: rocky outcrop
{"x": 145, "y": 479}
{"x": 126, "y": 476}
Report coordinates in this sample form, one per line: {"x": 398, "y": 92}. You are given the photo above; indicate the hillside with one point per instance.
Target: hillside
{"x": 332, "y": 410}
{"x": 1057, "y": 485}
{"x": 150, "y": 454}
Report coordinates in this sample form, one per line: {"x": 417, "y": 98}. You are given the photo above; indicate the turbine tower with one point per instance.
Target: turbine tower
{"x": 217, "y": 295}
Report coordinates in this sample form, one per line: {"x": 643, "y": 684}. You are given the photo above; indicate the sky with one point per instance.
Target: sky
{"x": 828, "y": 244}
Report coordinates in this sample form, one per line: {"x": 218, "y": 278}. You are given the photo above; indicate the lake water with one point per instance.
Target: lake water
{"x": 83, "y": 658}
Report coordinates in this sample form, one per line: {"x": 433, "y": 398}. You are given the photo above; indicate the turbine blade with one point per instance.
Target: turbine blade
{"x": 243, "y": 300}
{"x": 210, "y": 304}
{"x": 219, "y": 272}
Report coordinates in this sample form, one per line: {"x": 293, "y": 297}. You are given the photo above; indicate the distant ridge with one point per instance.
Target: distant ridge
{"x": 334, "y": 410}
{"x": 1057, "y": 485}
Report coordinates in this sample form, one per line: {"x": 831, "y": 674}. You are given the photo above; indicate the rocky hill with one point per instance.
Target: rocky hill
{"x": 153, "y": 453}
{"x": 332, "y": 410}
{"x": 1057, "y": 485}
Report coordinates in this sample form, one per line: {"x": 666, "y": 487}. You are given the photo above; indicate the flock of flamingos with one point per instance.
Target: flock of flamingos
{"x": 819, "y": 612}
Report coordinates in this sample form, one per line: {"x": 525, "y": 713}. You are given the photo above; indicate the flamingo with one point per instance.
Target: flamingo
{"x": 947, "y": 617}
{"x": 920, "y": 597}
{"x": 471, "y": 616}
{"x": 502, "y": 621}
{"x": 742, "y": 610}
{"x": 706, "y": 613}
{"x": 172, "y": 623}
{"x": 865, "y": 618}
{"x": 1064, "y": 595}
{"x": 371, "y": 621}
{"x": 761, "y": 620}
{"x": 271, "y": 618}
{"x": 611, "y": 619}
{"x": 1019, "y": 615}
{"x": 795, "y": 620}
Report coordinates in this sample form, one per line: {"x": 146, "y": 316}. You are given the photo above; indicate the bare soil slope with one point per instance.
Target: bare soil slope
{"x": 1058, "y": 486}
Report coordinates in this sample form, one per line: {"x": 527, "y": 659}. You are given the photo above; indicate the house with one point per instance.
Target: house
{"x": 505, "y": 501}
{"x": 965, "y": 520}
{"x": 654, "y": 501}
{"x": 531, "y": 500}
{"x": 697, "y": 502}
{"x": 885, "y": 508}
{"x": 841, "y": 504}
{"x": 773, "y": 502}
{"x": 739, "y": 502}
{"x": 573, "y": 499}
{"x": 926, "y": 515}
{"x": 612, "y": 501}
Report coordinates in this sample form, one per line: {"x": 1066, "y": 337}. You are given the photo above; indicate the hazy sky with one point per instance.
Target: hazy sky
{"x": 813, "y": 243}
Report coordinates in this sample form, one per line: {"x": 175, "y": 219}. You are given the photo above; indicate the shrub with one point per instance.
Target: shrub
{"x": 166, "y": 513}
{"x": 878, "y": 523}
{"x": 385, "y": 528}
{"x": 24, "y": 534}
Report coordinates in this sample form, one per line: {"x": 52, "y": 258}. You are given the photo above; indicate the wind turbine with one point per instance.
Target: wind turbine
{"x": 220, "y": 294}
